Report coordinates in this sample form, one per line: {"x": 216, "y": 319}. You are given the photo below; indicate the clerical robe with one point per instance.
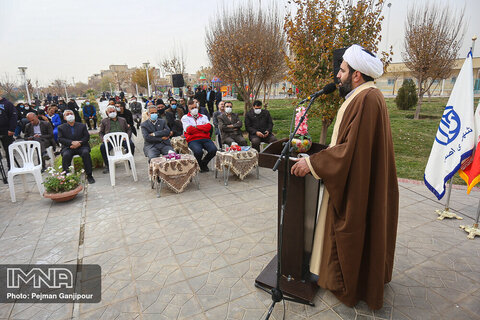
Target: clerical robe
{"x": 358, "y": 232}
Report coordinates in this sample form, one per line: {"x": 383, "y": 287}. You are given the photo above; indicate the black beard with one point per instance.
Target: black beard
{"x": 346, "y": 87}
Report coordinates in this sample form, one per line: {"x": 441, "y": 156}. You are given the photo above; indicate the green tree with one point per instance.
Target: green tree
{"x": 318, "y": 28}
{"x": 407, "y": 95}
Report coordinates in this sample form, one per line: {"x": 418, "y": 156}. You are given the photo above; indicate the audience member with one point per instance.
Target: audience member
{"x": 221, "y": 109}
{"x": 156, "y": 134}
{"x": 136, "y": 109}
{"x": 230, "y": 126}
{"x": 210, "y": 98}
{"x": 197, "y": 128}
{"x": 259, "y": 125}
{"x": 54, "y": 119}
{"x": 174, "y": 118}
{"x": 126, "y": 114}
{"x": 8, "y": 122}
{"x": 41, "y": 131}
{"x": 74, "y": 138}
{"x": 113, "y": 123}
{"x": 90, "y": 115}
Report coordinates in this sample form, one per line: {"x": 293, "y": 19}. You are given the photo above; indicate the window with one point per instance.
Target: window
{"x": 391, "y": 82}
{"x": 453, "y": 79}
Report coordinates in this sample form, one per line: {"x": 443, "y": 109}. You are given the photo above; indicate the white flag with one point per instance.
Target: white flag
{"x": 455, "y": 137}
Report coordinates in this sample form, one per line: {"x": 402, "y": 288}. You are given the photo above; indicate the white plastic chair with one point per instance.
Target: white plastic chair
{"x": 27, "y": 151}
{"x": 115, "y": 139}
{"x": 51, "y": 155}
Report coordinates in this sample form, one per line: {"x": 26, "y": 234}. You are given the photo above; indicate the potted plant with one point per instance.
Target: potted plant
{"x": 61, "y": 186}
{"x": 301, "y": 142}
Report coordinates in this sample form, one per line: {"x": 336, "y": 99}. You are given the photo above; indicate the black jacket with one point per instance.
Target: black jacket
{"x": 261, "y": 122}
{"x": 127, "y": 115}
{"x": 8, "y": 117}
{"x": 80, "y": 133}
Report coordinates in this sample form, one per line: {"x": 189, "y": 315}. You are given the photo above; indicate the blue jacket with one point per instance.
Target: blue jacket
{"x": 89, "y": 111}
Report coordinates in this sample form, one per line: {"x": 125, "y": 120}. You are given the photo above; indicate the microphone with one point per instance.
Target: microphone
{"x": 329, "y": 88}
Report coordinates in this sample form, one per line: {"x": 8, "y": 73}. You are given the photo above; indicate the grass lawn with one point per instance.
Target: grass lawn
{"x": 412, "y": 139}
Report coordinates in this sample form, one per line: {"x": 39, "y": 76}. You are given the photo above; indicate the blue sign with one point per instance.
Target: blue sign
{"x": 449, "y": 127}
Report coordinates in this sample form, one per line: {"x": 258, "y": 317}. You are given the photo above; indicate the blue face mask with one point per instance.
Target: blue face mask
{"x": 87, "y": 103}
{"x": 174, "y": 106}
{"x": 154, "y": 117}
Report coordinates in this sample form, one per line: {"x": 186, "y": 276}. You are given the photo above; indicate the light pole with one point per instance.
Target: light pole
{"x": 22, "y": 72}
{"x": 148, "y": 80}
{"x": 389, "y": 5}
{"x": 65, "y": 86}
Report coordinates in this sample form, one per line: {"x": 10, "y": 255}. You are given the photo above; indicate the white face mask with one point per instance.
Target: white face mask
{"x": 70, "y": 118}
{"x": 112, "y": 115}
{"x": 194, "y": 112}
{"x": 118, "y": 109}
{"x": 257, "y": 111}
{"x": 228, "y": 110}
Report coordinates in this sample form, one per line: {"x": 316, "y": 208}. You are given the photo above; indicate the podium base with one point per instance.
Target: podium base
{"x": 297, "y": 289}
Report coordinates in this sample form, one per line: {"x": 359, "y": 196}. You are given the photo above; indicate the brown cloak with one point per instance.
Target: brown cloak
{"x": 361, "y": 222}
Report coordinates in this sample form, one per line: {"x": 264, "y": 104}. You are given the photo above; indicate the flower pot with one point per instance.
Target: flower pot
{"x": 301, "y": 144}
{"x": 63, "y": 196}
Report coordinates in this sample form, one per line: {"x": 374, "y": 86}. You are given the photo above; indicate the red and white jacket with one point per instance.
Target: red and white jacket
{"x": 196, "y": 129}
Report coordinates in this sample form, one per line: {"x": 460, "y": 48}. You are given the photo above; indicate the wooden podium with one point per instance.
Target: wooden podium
{"x": 298, "y": 225}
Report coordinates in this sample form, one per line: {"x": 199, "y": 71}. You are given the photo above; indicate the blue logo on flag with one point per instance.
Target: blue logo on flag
{"x": 449, "y": 127}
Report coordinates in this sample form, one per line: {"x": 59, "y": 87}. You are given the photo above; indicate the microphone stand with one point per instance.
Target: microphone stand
{"x": 277, "y": 294}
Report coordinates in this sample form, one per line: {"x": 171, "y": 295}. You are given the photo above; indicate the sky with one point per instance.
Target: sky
{"x": 71, "y": 39}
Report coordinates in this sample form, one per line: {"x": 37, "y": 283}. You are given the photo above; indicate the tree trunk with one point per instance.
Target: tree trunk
{"x": 323, "y": 134}
{"x": 419, "y": 105}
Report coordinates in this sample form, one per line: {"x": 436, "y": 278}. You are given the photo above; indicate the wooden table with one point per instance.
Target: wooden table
{"x": 175, "y": 173}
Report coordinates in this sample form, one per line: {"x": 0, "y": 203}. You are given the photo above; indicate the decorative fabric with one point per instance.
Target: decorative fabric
{"x": 180, "y": 145}
{"x": 176, "y": 174}
{"x": 241, "y": 163}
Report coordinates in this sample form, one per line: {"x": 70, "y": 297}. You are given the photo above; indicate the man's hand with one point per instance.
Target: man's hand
{"x": 165, "y": 138}
{"x": 230, "y": 126}
{"x": 259, "y": 134}
{"x": 75, "y": 144}
{"x": 266, "y": 134}
{"x": 152, "y": 134}
{"x": 300, "y": 169}
{"x": 11, "y": 133}
{"x": 36, "y": 135}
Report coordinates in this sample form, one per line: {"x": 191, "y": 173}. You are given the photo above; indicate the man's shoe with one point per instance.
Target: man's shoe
{"x": 105, "y": 171}
{"x": 204, "y": 168}
{"x": 90, "y": 179}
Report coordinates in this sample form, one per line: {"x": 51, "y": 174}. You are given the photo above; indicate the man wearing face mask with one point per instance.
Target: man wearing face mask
{"x": 156, "y": 134}
{"x": 196, "y": 129}
{"x": 221, "y": 109}
{"x": 8, "y": 122}
{"x": 90, "y": 115}
{"x": 113, "y": 123}
{"x": 259, "y": 124}
{"x": 126, "y": 114}
{"x": 41, "y": 131}
{"x": 74, "y": 138}
{"x": 230, "y": 126}
{"x": 136, "y": 109}
{"x": 174, "y": 116}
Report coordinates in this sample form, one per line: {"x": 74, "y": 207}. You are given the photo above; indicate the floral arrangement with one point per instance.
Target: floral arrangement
{"x": 59, "y": 181}
{"x": 302, "y": 142}
{"x": 303, "y": 130}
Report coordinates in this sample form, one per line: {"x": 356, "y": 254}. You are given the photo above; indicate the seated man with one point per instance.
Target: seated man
{"x": 113, "y": 123}
{"x": 90, "y": 113}
{"x": 136, "y": 109}
{"x": 41, "y": 131}
{"x": 54, "y": 119}
{"x": 122, "y": 112}
{"x": 259, "y": 125}
{"x": 221, "y": 109}
{"x": 196, "y": 129}
{"x": 230, "y": 126}
{"x": 156, "y": 133}
{"x": 74, "y": 138}
{"x": 174, "y": 115}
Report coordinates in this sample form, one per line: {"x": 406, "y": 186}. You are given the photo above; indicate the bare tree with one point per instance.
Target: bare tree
{"x": 122, "y": 79}
{"x": 8, "y": 85}
{"x": 246, "y": 47}
{"x": 433, "y": 37}
{"x": 175, "y": 63}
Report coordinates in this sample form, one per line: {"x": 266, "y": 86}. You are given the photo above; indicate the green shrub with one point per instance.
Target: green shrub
{"x": 407, "y": 95}
{"x": 239, "y": 97}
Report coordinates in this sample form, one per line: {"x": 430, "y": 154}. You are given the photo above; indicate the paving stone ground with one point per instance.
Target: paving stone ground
{"x": 195, "y": 255}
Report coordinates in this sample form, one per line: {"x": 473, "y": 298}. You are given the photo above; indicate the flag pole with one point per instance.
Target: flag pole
{"x": 445, "y": 213}
{"x": 473, "y": 230}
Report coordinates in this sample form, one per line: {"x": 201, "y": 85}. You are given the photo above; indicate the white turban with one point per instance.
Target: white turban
{"x": 363, "y": 61}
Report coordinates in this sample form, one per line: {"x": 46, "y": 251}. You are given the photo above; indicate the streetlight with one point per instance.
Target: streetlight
{"x": 389, "y": 5}
{"x": 65, "y": 86}
{"x": 22, "y": 72}
{"x": 145, "y": 64}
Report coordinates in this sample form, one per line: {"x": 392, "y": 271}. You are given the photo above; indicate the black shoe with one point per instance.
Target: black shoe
{"x": 43, "y": 170}
{"x": 90, "y": 179}
{"x": 45, "y": 157}
{"x": 204, "y": 168}
{"x": 105, "y": 171}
